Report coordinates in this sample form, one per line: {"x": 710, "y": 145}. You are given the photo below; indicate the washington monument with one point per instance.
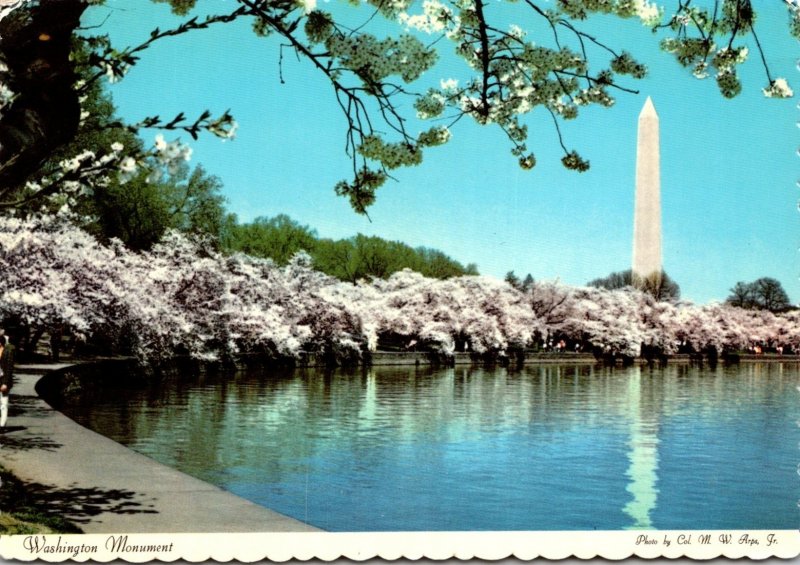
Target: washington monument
{"x": 647, "y": 212}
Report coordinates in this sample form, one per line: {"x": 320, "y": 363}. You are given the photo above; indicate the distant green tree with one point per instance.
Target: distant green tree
{"x": 512, "y": 279}
{"x": 765, "y": 293}
{"x": 523, "y": 285}
{"x": 277, "y": 238}
{"x": 527, "y": 282}
{"x": 661, "y": 288}
{"x": 618, "y": 279}
{"x": 364, "y": 257}
{"x": 336, "y": 258}
{"x": 196, "y": 204}
{"x": 438, "y": 265}
{"x": 742, "y": 295}
{"x": 134, "y": 213}
{"x": 770, "y": 295}
{"x": 375, "y": 257}
{"x": 139, "y": 211}
{"x": 358, "y": 257}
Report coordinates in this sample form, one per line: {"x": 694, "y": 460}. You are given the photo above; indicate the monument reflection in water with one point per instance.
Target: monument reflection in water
{"x": 643, "y": 470}
{"x": 543, "y": 448}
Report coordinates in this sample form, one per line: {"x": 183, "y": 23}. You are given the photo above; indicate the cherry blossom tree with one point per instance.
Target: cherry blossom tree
{"x": 479, "y": 314}
{"x": 788, "y": 329}
{"x": 607, "y": 319}
{"x": 183, "y": 297}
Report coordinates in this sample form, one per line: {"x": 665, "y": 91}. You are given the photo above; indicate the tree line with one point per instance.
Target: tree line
{"x": 352, "y": 259}
{"x": 185, "y": 298}
{"x": 765, "y": 293}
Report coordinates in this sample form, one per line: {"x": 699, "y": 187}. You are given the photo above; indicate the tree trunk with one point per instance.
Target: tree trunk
{"x": 35, "y": 43}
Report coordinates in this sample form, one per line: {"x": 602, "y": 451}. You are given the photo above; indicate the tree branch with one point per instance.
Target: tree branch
{"x": 484, "y": 55}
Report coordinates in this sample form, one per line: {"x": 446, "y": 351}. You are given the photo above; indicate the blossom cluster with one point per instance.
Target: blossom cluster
{"x": 8, "y": 6}
{"x": 778, "y": 88}
{"x": 7, "y": 95}
{"x": 171, "y": 155}
{"x": 695, "y": 44}
{"x": 514, "y": 75}
{"x": 185, "y": 298}
{"x": 76, "y": 176}
{"x": 794, "y": 13}
{"x": 648, "y": 12}
{"x": 435, "y": 17}
{"x": 375, "y": 59}
{"x": 167, "y": 156}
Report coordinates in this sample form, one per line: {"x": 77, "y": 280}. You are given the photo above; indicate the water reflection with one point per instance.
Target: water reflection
{"x": 643, "y": 453}
{"x": 547, "y": 447}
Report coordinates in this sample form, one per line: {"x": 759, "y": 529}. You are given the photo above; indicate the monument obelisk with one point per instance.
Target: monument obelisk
{"x": 647, "y": 211}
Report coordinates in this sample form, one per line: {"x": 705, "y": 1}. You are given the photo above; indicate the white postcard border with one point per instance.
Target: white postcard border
{"x": 280, "y": 547}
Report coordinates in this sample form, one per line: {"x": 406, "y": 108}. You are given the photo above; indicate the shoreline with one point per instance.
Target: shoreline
{"x": 423, "y": 358}
{"x": 104, "y": 487}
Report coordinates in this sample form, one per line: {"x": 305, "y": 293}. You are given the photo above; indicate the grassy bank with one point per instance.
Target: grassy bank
{"x": 21, "y": 513}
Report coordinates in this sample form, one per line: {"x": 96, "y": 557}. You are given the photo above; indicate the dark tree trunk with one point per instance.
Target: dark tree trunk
{"x": 35, "y": 43}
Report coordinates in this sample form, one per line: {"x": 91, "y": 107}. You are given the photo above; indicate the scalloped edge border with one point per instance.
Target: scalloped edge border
{"x": 612, "y": 545}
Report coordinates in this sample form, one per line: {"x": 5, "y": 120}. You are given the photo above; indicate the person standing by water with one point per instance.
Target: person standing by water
{"x": 6, "y": 376}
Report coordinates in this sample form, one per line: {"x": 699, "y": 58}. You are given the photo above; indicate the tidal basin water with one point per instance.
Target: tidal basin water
{"x": 541, "y": 448}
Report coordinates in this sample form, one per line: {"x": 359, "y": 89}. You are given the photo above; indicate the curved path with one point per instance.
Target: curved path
{"x": 104, "y": 487}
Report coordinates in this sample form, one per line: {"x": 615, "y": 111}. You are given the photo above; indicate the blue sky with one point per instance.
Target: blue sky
{"x": 729, "y": 167}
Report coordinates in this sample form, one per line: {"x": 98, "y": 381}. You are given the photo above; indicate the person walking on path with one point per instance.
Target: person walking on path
{"x": 6, "y": 376}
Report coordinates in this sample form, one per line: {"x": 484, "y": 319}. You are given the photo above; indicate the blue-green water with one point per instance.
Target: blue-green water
{"x": 543, "y": 448}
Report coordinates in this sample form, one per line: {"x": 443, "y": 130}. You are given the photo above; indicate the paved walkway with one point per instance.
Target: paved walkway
{"x": 104, "y": 487}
